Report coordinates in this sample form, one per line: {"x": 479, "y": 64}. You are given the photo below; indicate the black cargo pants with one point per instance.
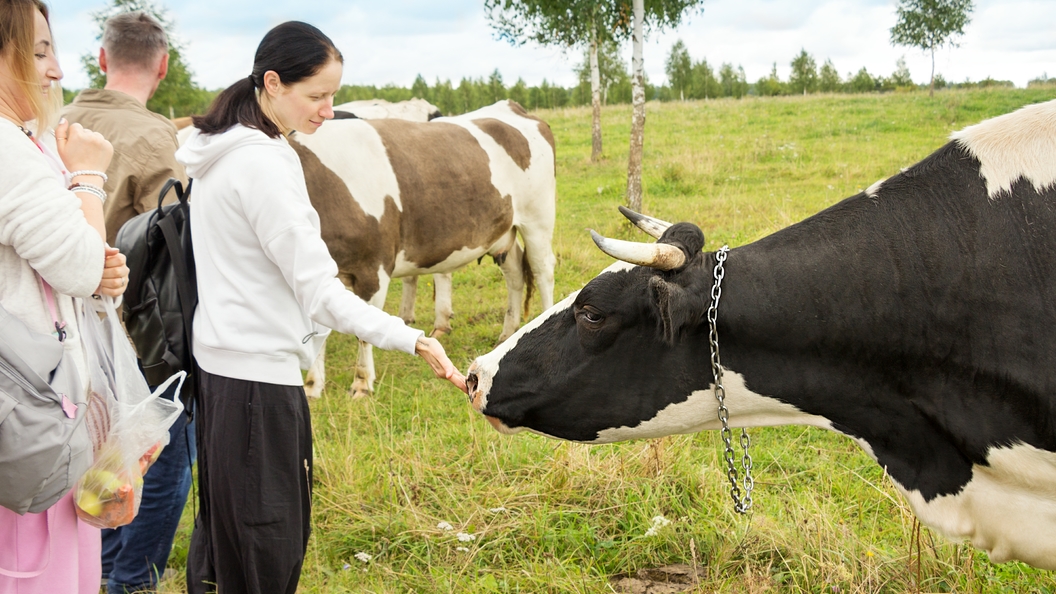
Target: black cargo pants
{"x": 255, "y": 477}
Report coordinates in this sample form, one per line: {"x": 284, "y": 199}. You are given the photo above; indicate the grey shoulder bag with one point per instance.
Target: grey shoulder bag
{"x": 44, "y": 442}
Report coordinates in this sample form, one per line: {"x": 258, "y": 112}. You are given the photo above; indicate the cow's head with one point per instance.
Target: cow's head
{"x": 612, "y": 355}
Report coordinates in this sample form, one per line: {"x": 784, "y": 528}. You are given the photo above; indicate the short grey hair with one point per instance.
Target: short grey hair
{"x": 134, "y": 40}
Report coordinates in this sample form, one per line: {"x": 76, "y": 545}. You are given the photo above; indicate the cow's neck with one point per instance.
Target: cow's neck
{"x": 865, "y": 315}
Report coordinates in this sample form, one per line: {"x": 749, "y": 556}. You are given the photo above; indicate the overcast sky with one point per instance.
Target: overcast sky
{"x": 392, "y": 41}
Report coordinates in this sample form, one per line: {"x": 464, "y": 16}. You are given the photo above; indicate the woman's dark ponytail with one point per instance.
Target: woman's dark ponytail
{"x": 295, "y": 51}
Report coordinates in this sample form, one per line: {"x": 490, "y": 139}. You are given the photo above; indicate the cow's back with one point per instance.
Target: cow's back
{"x": 448, "y": 197}
{"x": 415, "y": 197}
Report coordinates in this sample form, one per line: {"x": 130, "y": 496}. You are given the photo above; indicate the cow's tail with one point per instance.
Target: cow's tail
{"x": 529, "y": 280}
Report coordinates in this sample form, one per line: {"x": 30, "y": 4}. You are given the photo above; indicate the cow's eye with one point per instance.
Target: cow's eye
{"x": 590, "y": 316}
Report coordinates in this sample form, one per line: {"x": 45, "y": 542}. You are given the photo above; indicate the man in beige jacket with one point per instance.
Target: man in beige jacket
{"x": 135, "y": 58}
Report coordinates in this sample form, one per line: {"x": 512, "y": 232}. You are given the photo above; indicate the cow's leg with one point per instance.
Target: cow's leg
{"x": 513, "y": 271}
{"x": 442, "y": 289}
{"x": 540, "y": 255}
{"x": 363, "y": 385}
{"x": 313, "y": 382}
{"x": 410, "y": 293}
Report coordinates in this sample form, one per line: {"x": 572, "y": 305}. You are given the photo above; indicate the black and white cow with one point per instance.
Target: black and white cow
{"x": 917, "y": 318}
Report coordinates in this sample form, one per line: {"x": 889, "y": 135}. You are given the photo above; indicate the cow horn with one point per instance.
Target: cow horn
{"x": 662, "y": 256}
{"x": 654, "y": 227}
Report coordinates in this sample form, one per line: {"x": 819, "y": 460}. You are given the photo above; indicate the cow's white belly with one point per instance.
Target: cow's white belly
{"x": 699, "y": 412}
{"x": 1008, "y": 509}
{"x": 451, "y": 263}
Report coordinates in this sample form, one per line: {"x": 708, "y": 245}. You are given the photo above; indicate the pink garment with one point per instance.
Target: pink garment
{"x": 68, "y": 551}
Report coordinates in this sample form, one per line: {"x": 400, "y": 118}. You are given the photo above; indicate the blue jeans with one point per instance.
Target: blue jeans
{"x": 134, "y": 556}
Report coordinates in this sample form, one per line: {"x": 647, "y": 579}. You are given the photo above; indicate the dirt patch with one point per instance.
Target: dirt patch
{"x": 660, "y": 580}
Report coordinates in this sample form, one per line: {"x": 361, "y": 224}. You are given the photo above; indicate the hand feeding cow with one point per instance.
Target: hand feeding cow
{"x": 399, "y": 198}
{"x": 917, "y": 318}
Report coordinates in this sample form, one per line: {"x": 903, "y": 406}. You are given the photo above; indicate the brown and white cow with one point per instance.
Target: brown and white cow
{"x": 414, "y": 110}
{"x": 393, "y": 197}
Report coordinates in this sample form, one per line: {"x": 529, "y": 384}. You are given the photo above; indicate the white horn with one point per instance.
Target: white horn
{"x": 654, "y": 227}
{"x": 662, "y": 256}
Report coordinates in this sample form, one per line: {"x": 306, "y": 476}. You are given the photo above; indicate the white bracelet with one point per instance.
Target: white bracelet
{"x": 89, "y": 189}
{"x": 89, "y": 172}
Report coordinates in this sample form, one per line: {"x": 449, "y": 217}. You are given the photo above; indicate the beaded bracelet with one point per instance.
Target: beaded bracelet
{"x": 90, "y": 189}
{"x": 89, "y": 172}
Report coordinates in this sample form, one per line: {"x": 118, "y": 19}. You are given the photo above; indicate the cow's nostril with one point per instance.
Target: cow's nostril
{"x": 471, "y": 384}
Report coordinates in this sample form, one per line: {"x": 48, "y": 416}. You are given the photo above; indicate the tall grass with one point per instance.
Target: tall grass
{"x": 549, "y": 516}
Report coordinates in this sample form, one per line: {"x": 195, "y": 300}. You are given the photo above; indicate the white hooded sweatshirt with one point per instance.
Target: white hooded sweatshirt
{"x": 268, "y": 291}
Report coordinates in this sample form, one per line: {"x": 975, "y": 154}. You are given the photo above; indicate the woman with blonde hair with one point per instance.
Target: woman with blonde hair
{"x": 52, "y": 256}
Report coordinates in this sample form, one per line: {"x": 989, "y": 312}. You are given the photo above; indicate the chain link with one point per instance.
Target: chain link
{"x": 740, "y": 505}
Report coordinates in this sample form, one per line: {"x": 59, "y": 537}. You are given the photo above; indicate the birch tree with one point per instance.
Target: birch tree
{"x": 930, "y": 24}
{"x": 562, "y": 23}
{"x": 656, "y": 15}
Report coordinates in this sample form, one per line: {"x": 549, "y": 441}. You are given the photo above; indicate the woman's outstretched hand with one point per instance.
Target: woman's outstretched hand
{"x": 432, "y": 351}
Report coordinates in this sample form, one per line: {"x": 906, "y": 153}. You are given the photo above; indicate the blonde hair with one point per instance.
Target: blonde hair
{"x": 17, "y": 38}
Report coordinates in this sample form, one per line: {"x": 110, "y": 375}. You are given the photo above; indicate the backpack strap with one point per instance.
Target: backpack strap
{"x": 136, "y": 274}
{"x": 179, "y": 192}
{"x": 177, "y": 254}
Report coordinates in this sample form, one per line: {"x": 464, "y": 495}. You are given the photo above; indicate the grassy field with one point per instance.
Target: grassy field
{"x": 528, "y": 514}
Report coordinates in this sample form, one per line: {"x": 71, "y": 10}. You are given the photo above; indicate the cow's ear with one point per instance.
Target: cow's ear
{"x": 677, "y": 308}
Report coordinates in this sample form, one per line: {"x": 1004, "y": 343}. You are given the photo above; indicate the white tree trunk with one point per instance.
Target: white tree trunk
{"x": 634, "y": 165}
{"x": 595, "y": 101}
{"x": 931, "y": 87}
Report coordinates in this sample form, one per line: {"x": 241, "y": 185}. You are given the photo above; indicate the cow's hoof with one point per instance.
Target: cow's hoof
{"x": 438, "y": 332}
{"x": 503, "y": 337}
{"x": 408, "y": 319}
{"x": 358, "y": 391}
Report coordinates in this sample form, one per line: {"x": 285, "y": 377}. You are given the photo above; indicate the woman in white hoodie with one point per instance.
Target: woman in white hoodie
{"x": 268, "y": 293}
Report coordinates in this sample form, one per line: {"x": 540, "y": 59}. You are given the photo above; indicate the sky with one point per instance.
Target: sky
{"x": 393, "y": 41}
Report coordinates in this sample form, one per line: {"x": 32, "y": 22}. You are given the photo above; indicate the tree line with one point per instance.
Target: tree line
{"x": 686, "y": 79}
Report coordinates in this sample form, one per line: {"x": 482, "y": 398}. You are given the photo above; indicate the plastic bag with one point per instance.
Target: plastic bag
{"x": 128, "y": 424}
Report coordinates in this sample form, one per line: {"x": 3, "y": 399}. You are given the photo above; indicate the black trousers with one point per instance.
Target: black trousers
{"x": 255, "y": 487}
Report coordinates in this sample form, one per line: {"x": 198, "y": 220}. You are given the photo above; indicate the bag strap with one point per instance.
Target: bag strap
{"x": 188, "y": 294}
{"x": 49, "y": 296}
{"x": 165, "y": 190}
{"x": 36, "y": 572}
{"x": 177, "y": 255}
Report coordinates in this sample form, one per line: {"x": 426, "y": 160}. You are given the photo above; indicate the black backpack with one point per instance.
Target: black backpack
{"x": 162, "y": 291}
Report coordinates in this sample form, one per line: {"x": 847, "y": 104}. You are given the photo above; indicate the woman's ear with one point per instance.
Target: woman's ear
{"x": 272, "y": 82}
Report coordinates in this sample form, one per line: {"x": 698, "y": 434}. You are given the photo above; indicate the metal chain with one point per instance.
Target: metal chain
{"x": 740, "y": 505}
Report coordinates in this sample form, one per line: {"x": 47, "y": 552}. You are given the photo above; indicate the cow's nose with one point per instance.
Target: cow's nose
{"x": 471, "y": 384}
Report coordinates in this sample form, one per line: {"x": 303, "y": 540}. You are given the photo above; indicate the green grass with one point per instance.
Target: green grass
{"x": 550, "y": 516}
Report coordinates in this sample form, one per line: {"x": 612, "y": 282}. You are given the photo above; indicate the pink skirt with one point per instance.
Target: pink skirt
{"x": 51, "y": 551}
